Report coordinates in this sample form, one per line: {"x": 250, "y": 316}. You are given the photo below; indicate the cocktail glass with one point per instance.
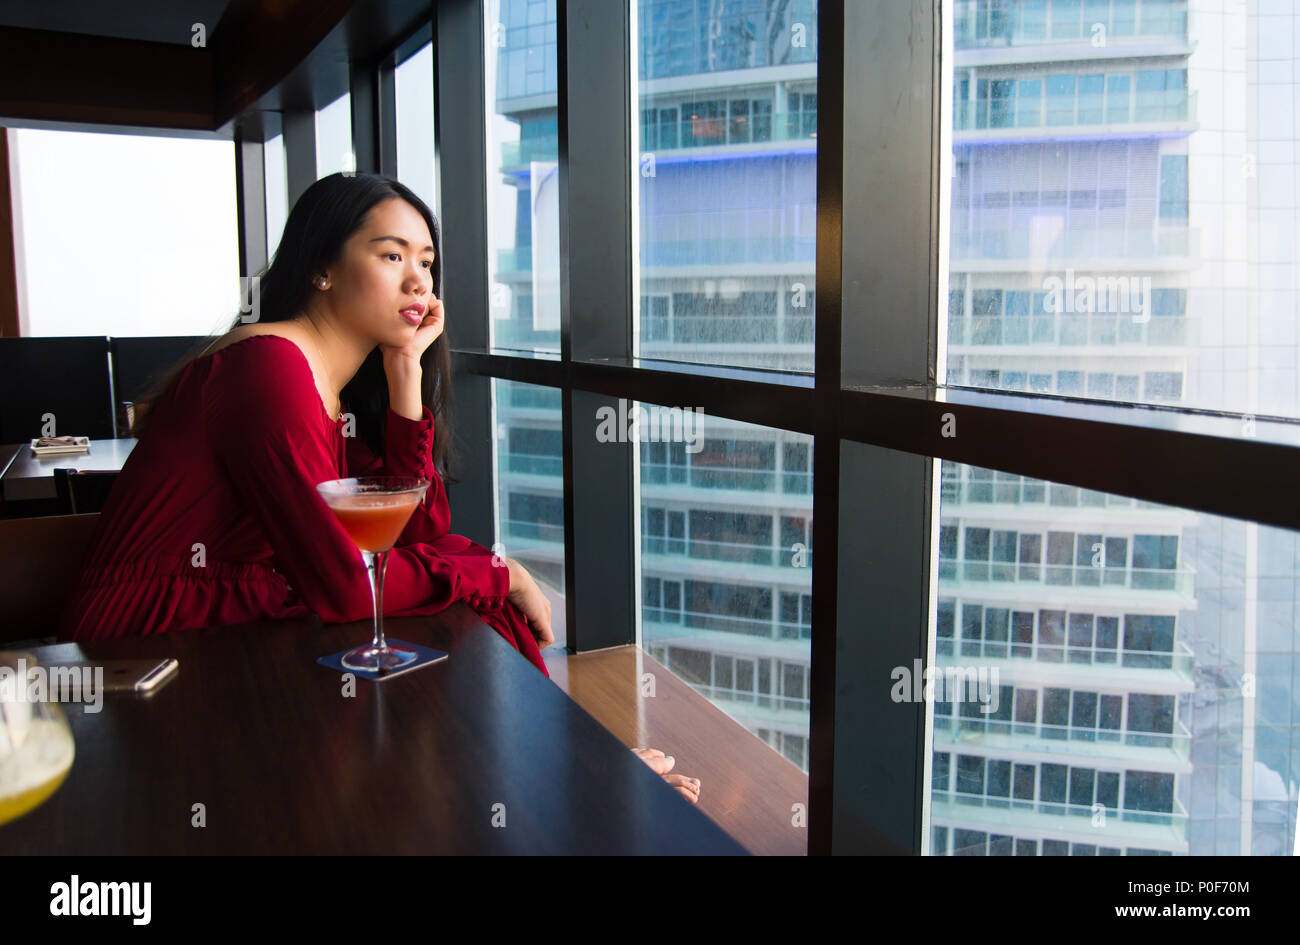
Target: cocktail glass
{"x": 373, "y": 510}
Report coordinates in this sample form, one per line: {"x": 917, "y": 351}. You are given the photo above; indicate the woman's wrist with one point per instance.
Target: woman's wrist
{"x": 404, "y": 382}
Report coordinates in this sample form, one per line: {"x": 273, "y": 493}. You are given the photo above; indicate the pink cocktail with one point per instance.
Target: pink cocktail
{"x": 374, "y": 510}
{"x": 375, "y": 521}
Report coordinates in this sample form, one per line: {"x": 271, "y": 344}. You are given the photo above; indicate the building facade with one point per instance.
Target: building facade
{"x": 1122, "y": 227}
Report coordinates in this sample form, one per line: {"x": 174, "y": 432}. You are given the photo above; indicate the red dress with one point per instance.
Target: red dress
{"x": 215, "y": 518}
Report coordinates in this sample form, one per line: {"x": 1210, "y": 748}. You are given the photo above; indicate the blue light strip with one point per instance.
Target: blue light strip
{"x": 676, "y": 156}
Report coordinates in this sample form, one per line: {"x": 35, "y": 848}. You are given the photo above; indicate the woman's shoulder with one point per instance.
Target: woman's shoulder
{"x": 257, "y": 364}
{"x": 246, "y": 332}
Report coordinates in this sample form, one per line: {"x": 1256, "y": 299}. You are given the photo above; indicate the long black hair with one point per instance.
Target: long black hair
{"x": 320, "y": 223}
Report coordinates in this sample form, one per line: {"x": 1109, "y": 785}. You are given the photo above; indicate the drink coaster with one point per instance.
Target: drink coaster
{"x": 424, "y": 657}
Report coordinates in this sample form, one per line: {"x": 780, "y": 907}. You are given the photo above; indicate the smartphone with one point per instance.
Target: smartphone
{"x": 143, "y": 676}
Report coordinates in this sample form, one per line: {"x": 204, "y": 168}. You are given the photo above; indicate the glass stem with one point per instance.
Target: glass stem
{"x": 376, "y": 565}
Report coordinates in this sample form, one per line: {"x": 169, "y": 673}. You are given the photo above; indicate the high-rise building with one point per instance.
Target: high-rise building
{"x": 1113, "y": 237}
{"x": 1122, "y": 224}
{"x": 727, "y": 205}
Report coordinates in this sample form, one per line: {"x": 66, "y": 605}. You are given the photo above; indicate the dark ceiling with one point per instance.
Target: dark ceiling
{"x": 130, "y": 64}
{"x": 159, "y": 21}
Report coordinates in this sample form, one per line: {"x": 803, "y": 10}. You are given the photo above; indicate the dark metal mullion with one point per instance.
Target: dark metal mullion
{"x": 596, "y": 322}
{"x": 1093, "y": 446}
{"x": 460, "y": 118}
{"x": 363, "y": 101}
{"x": 299, "y": 152}
{"x": 10, "y": 322}
{"x": 561, "y": 371}
{"x": 826, "y": 438}
{"x": 388, "y": 121}
{"x": 884, "y": 514}
{"x": 788, "y": 407}
{"x": 1245, "y": 478}
{"x": 888, "y": 403}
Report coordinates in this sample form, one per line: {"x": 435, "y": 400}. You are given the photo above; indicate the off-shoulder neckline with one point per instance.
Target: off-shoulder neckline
{"x": 301, "y": 354}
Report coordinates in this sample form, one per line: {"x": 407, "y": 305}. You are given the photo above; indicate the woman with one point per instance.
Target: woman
{"x": 215, "y": 518}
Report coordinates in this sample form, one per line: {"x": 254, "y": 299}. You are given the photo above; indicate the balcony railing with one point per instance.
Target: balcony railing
{"x": 728, "y": 329}
{"x": 1181, "y": 659}
{"x": 1010, "y": 116}
{"x": 532, "y": 396}
{"x": 535, "y": 464}
{"x": 1037, "y": 736}
{"x": 525, "y": 151}
{"x": 748, "y": 553}
{"x": 1069, "y": 244}
{"x": 533, "y": 531}
{"x": 1062, "y": 330}
{"x": 725, "y": 477}
{"x": 688, "y": 620}
{"x": 762, "y": 700}
{"x": 710, "y": 131}
{"x": 799, "y": 483}
{"x": 1022, "y": 490}
{"x": 698, "y": 477}
{"x": 1009, "y": 811}
{"x": 975, "y": 570}
{"x": 980, "y": 23}
{"x": 702, "y": 132}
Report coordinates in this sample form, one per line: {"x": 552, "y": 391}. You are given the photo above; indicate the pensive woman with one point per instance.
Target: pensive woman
{"x": 341, "y": 367}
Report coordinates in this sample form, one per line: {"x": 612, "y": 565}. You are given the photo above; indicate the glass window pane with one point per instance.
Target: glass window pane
{"x": 277, "y": 192}
{"x": 1124, "y": 717}
{"x": 1029, "y": 102}
{"x": 415, "y": 147}
{"x": 725, "y": 186}
{"x": 523, "y": 178}
{"x": 742, "y": 561}
{"x": 156, "y": 218}
{"x": 1091, "y": 89}
{"x": 334, "y": 138}
{"x": 1060, "y": 100}
{"x": 1122, "y": 197}
{"x": 530, "y": 489}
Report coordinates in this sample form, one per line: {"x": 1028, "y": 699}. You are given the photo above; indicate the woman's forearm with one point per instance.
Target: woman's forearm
{"x": 404, "y": 388}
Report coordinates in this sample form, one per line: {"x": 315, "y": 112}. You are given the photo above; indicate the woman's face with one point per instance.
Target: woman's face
{"x": 385, "y": 268}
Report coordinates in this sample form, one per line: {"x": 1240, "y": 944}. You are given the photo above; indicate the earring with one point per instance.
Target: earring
{"x": 320, "y": 283}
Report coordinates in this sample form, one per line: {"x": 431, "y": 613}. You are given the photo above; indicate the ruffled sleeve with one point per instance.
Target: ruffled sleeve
{"x": 264, "y": 425}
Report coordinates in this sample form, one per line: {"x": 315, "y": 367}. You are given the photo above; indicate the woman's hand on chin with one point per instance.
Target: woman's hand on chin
{"x": 405, "y": 356}
{"x": 402, "y": 365}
